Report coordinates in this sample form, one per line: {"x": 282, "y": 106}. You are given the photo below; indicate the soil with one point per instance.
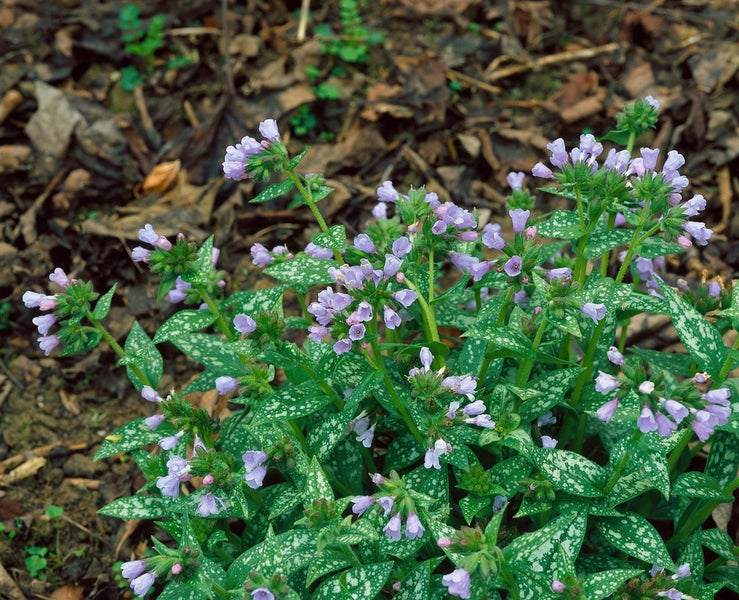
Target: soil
{"x": 455, "y": 95}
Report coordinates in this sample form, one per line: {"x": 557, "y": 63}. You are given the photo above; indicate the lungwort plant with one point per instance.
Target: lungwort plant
{"x": 434, "y": 407}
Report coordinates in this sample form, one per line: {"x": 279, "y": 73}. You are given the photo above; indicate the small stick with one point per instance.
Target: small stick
{"x": 303, "y": 23}
{"x": 553, "y": 59}
{"x": 471, "y": 81}
{"x": 225, "y": 40}
{"x": 9, "y": 103}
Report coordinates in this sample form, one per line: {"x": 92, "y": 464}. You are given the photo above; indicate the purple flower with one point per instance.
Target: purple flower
{"x": 59, "y": 277}
{"x": 253, "y": 459}
{"x": 474, "y": 408}
{"x": 255, "y": 478}
{"x": 646, "y": 421}
{"x": 149, "y": 394}
{"x": 721, "y": 413}
{"x": 519, "y": 218}
{"x": 615, "y": 356}
{"x": 365, "y": 244}
{"x": 244, "y": 323}
{"x": 653, "y": 102}
{"x": 460, "y": 384}
{"x": 318, "y": 251}
{"x": 149, "y": 236}
{"x": 262, "y": 593}
{"x": 226, "y": 385}
{"x": 343, "y": 346}
{"x": 170, "y": 442}
{"x": 401, "y": 247}
{"x": 559, "y": 273}
{"x": 133, "y": 568}
{"x": 47, "y": 343}
{"x": 719, "y": 396}
{"x": 413, "y": 527}
{"x": 541, "y": 170}
{"x": 559, "y": 153}
{"x": 405, "y": 297}
{"x": 483, "y": 420}
{"x": 44, "y": 323}
{"x": 513, "y": 266}
{"x": 391, "y": 318}
{"x": 141, "y": 584}
{"x": 548, "y": 442}
{"x": 139, "y": 254}
{"x": 269, "y": 131}
{"x": 703, "y": 424}
{"x": 451, "y": 412}
{"x": 392, "y": 529}
{"x": 606, "y": 412}
{"x": 698, "y": 231}
{"x": 380, "y": 211}
{"x": 714, "y": 289}
{"x": 515, "y": 179}
{"x": 558, "y": 587}
{"x": 386, "y": 502}
{"x": 617, "y": 161}
{"x": 675, "y": 409}
{"x": 594, "y": 311}
{"x": 491, "y": 236}
{"x": 671, "y": 594}
{"x": 178, "y": 470}
{"x": 40, "y": 301}
{"x": 649, "y": 158}
{"x": 664, "y": 426}
{"x": 546, "y": 419}
{"x": 361, "y": 504}
{"x": 605, "y": 383}
{"x": 392, "y": 266}
{"x": 356, "y": 332}
{"x": 457, "y": 583}
{"x": 695, "y": 205}
{"x": 318, "y": 332}
{"x": 208, "y": 505}
{"x": 154, "y": 421}
{"x": 683, "y": 571}
{"x": 178, "y": 292}
{"x": 234, "y": 162}
{"x": 386, "y": 192}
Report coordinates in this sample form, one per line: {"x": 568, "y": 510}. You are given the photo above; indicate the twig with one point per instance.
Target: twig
{"x": 303, "y": 23}
{"x": 471, "y": 81}
{"x": 146, "y": 122}
{"x": 27, "y": 223}
{"x": 8, "y": 587}
{"x": 15, "y": 381}
{"x": 552, "y": 59}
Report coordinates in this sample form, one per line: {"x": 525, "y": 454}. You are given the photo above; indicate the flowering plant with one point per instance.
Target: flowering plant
{"x": 457, "y": 408}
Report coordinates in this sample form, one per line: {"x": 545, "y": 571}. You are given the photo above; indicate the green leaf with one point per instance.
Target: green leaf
{"x": 359, "y": 583}
{"x": 249, "y": 302}
{"x": 140, "y": 507}
{"x": 561, "y": 224}
{"x": 273, "y": 190}
{"x": 324, "y": 565}
{"x": 695, "y": 484}
{"x": 316, "y": 483}
{"x": 569, "y": 471}
{"x": 334, "y": 238}
{"x": 603, "y": 584}
{"x": 654, "y": 247}
{"x": 567, "y": 321}
{"x": 102, "y": 308}
{"x": 636, "y": 536}
{"x": 295, "y": 161}
{"x": 403, "y": 451}
{"x": 503, "y": 337}
{"x": 212, "y": 351}
{"x": 553, "y": 389}
{"x": 302, "y": 272}
{"x": 699, "y": 337}
{"x": 180, "y": 590}
{"x": 291, "y": 402}
{"x": 415, "y": 585}
{"x": 183, "y": 322}
{"x": 723, "y": 458}
{"x": 142, "y": 352}
{"x": 719, "y": 542}
{"x": 604, "y": 241}
{"x": 619, "y": 136}
{"x": 472, "y": 504}
{"x": 203, "y": 265}
{"x": 132, "y": 435}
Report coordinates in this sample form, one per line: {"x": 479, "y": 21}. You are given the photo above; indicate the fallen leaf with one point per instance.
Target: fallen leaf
{"x": 161, "y": 177}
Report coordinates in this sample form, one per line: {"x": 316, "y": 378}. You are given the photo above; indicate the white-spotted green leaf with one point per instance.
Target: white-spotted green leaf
{"x": 695, "y": 484}
{"x": 324, "y": 565}
{"x": 345, "y": 464}
{"x": 627, "y": 487}
{"x": 316, "y": 483}
{"x": 286, "y": 498}
{"x": 719, "y": 542}
{"x": 302, "y": 272}
{"x": 602, "y": 585}
{"x": 654, "y": 247}
{"x": 640, "y": 302}
{"x": 472, "y": 504}
{"x": 532, "y": 506}
{"x": 203, "y": 266}
{"x": 359, "y": 583}
{"x": 287, "y": 552}
{"x": 415, "y": 585}
{"x": 561, "y": 224}
{"x": 539, "y": 550}
{"x": 507, "y": 473}
{"x": 182, "y": 322}
{"x": 636, "y": 536}
{"x": 569, "y": 471}
{"x": 502, "y": 337}
{"x": 140, "y": 507}
{"x": 334, "y": 238}
{"x": 677, "y": 364}
{"x": 134, "y": 434}
{"x": 650, "y": 462}
{"x": 180, "y": 590}
{"x": 604, "y": 241}
{"x": 291, "y": 402}
{"x": 142, "y": 352}
{"x": 249, "y": 302}
{"x": 700, "y": 338}
{"x": 723, "y": 458}
{"x": 553, "y": 389}
{"x": 344, "y": 369}
{"x": 272, "y": 191}
{"x": 403, "y": 451}
{"x": 102, "y": 307}
{"x": 212, "y": 351}
{"x": 432, "y": 482}
{"x": 534, "y": 586}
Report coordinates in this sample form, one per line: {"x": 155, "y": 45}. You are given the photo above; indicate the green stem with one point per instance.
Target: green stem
{"x": 606, "y": 258}
{"x": 618, "y": 471}
{"x": 223, "y": 323}
{"x": 489, "y": 349}
{"x": 724, "y": 373}
{"x": 308, "y": 197}
{"x": 117, "y": 348}
{"x": 677, "y": 452}
{"x": 525, "y": 370}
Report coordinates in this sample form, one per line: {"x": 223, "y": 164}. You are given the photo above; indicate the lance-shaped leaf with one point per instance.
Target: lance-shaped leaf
{"x": 634, "y": 535}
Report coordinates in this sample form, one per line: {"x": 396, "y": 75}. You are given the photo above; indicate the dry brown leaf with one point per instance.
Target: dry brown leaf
{"x": 28, "y": 469}
{"x": 431, "y": 8}
{"x": 69, "y": 401}
{"x": 67, "y": 592}
{"x": 162, "y": 177}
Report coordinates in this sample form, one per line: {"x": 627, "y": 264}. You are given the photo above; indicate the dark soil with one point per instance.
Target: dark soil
{"x": 459, "y": 93}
